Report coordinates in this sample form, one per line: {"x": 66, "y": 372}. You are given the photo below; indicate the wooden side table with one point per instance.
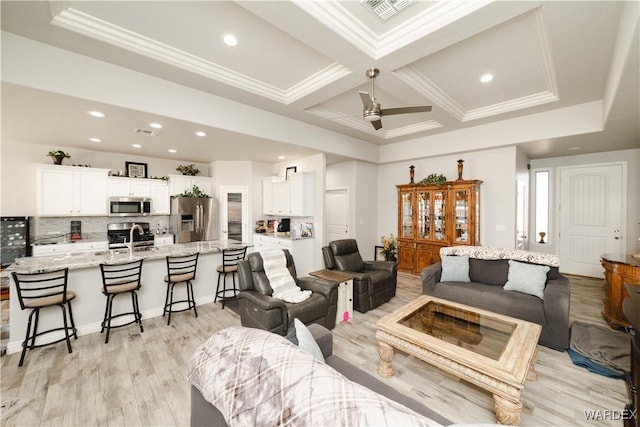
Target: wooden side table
{"x": 345, "y": 291}
{"x": 618, "y": 270}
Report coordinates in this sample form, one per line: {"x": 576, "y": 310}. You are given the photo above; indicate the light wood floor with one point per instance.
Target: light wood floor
{"x": 138, "y": 379}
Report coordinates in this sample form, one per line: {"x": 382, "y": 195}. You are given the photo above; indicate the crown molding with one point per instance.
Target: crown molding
{"x": 91, "y": 26}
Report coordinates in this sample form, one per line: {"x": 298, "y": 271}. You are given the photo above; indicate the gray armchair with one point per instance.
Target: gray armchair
{"x": 374, "y": 282}
{"x": 259, "y": 310}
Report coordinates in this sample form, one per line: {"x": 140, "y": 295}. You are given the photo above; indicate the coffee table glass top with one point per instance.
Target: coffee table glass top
{"x": 476, "y": 332}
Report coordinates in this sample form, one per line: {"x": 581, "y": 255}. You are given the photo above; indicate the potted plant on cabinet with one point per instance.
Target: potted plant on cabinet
{"x": 57, "y": 156}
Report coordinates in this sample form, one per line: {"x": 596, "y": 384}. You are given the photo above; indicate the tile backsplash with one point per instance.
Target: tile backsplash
{"x": 49, "y": 226}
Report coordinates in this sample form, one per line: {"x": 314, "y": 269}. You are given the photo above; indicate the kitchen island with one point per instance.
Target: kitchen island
{"x": 85, "y": 280}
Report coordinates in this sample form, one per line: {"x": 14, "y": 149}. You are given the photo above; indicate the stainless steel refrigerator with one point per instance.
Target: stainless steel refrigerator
{"x": 193, "y": 219}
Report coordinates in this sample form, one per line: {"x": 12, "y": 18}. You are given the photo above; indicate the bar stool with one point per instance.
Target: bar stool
{"x": 119, "y": 279}
{"x": 230, "y": 258}
{"x": 42, "y": 290}
{"x": 180, "y": 269}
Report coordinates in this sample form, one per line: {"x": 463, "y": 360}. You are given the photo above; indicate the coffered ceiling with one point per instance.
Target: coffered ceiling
{"x": 306, "y": 60}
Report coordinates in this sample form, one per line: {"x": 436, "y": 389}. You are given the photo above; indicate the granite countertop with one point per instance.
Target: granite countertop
{"x": 93, "y": 259}
{"x": 61, "y": 239}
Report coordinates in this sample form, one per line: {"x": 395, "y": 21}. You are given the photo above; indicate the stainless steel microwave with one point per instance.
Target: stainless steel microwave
{"x": 129, "y": 206}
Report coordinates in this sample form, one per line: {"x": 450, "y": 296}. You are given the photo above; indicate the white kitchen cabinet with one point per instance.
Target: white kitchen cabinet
{"x": 69, "y": 248}
{"x": 161, "y": 199}
{"x": 129, "y": 187}
{"x": 293, "y": 197}
{"x": 281, "y": 198}
{"x": 70, "y": 191}
{"x": 267, "y": 195}
{"x": 163, "y": 239}
{"x": 300, "y": 249}
{"x": 178, "y": 184}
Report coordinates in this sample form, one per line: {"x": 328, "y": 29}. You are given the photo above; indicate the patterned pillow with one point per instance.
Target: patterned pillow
{"x": 527, "y": 278}
{"x": 455, "y": 268}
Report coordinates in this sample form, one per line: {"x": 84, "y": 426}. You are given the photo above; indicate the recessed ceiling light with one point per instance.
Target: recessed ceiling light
{"x": 573, "y": 148}
{"x": 200, "y": 133}
{"x": 98, "y": 114}
{"x": 95, "y": 140}
{"x": 171, "y": 150}
{"x": 230, "y": 40}
{"x": 486, "y": 78}
{"x": 281, "y": 157}
{"x": 136, "y": 145}
{"x": 155, "y": 125}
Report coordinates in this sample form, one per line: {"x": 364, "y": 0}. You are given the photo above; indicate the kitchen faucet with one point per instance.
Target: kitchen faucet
{"x": 130, "y": 245}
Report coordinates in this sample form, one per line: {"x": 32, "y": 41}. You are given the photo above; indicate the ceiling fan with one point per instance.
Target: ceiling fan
{"x": 372, "y": 111}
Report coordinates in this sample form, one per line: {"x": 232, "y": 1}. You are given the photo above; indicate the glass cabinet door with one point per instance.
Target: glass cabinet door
{"x": 461, "y": 216}
{"x": 406, "y": 214}
{"x": 424, "y": 214}
{"x": 439, "y": 215}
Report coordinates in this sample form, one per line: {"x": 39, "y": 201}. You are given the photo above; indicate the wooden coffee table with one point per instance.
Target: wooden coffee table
{"x": 495, "y": 352}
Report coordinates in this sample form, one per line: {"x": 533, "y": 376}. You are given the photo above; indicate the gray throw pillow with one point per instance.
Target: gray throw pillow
{"x": 527, "y": 278}
{"x": 306, "y": 341}
{"x": 455, "y": 268}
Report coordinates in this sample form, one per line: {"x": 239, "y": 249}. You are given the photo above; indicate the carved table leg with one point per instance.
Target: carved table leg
{"x": 507, "y": 412}
{"x": 385, "y": 351}
{"x": 531, "y": 373}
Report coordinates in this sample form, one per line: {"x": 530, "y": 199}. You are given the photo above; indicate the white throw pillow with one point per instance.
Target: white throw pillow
{"x": 455, "y": 268}
{"x": 306, "y": 341}
{"x": 527, "y": 278}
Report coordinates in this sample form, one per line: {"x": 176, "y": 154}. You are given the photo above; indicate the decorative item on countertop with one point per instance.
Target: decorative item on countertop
{"x": 306, "y": 229}
{"x": 542, "y": 234}
{"x": 460, "y": 165}
{"x": 389, "y": 245}
{"x": 195, "y": 192}
{"x": 260, "y": 226}
{"x": 434, "y": 179}
{"x": 58, "y": 156}
{"x": 411, "y": 173}
{"x": 76, "y": 230}
{"x": 189, "y": 170}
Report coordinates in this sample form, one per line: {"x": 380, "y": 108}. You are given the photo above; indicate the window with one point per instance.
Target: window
{"x": 542, "y": 207}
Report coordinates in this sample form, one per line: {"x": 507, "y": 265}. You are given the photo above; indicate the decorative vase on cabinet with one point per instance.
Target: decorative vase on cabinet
{"x": 433, "y": 216}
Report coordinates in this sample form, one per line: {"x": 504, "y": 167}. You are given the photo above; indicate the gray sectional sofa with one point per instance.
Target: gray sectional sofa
{"x": 488, "y": 274}
{"x": 204, "y": 413}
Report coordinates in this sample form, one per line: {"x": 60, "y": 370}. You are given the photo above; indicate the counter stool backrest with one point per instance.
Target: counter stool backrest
{"x": 122, "y": 277}
{"x": 230, "y": 258}
{"x": 181, "y": 267}
{"x": 41, "y": 289}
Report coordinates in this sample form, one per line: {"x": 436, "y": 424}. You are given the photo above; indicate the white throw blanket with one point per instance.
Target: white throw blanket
{"x": 283, "y": 285}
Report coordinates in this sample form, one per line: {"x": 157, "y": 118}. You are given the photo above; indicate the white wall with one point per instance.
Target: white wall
{"x": 632, "y": 198}
{"x": 361, "y": 180}
{"x": 18, "y": 173}
{"x": 496, "y": 168}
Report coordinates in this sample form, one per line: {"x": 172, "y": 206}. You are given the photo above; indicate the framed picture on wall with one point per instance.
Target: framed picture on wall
{"x": 378, "y": 253}
{"x": 136, "y": 170}
{"x": 289, "y": 171}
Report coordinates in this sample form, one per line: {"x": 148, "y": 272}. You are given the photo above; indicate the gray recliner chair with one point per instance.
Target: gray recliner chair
{"x": 258, "y": 309}
{"x": 374, "y": 282}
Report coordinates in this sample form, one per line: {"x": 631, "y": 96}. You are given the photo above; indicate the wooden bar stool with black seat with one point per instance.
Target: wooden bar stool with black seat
{"x": 43, "y": 290}
{"x": 119, "y": 279}
{"x": 180, "y": 269}
{"x": 230, "y": 258}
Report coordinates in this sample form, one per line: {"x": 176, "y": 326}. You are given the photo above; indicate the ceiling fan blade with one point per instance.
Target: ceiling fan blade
{"x": 405, "y": 110}
{"x": 366, "y": 100}
{"x": 377, "y": 124}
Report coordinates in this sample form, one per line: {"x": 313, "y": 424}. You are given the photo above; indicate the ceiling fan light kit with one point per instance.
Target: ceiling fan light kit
{"x": 372, "y": 111}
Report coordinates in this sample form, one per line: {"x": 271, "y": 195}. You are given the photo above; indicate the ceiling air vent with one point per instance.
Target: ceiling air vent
{"x": 385, "y": 9}
{"x": 147, "y": 132}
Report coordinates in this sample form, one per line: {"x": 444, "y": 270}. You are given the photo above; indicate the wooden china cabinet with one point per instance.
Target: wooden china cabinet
{"x": 433, "y": 216}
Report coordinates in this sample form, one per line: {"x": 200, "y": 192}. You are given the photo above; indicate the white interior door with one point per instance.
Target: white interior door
{"x": 591, "y": 216}
{"x": 337, "y": 218}
{"x": 234, "y": 214}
